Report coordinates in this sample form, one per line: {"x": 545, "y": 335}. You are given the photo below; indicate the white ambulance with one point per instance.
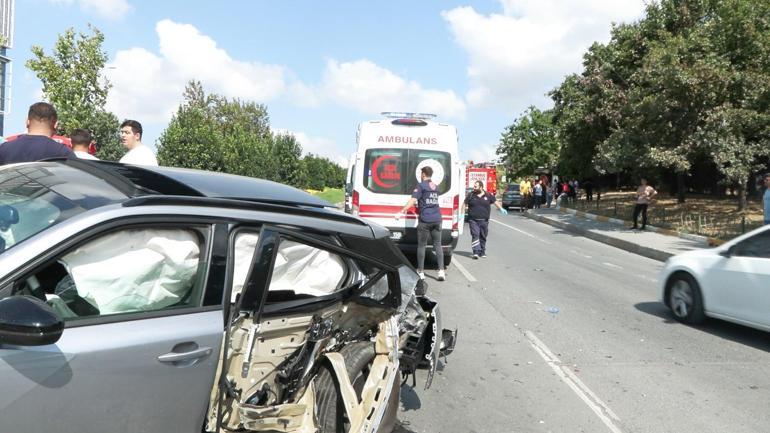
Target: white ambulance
{"x": 386, "y": 168}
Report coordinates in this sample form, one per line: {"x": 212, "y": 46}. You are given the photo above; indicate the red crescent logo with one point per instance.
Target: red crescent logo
{"x": 376, "y": 176}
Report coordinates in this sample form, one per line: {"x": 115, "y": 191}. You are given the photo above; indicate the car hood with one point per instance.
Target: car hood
{"x": 695, "y": 259}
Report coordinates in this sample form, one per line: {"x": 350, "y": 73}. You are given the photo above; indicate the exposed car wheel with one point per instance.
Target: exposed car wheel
{"x": 447, "y": 259}
{"x": 332, "y": 417}
{"x": 684, "y": 299}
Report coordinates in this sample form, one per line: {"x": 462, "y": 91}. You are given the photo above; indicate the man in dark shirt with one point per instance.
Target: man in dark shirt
{"x": 478, "y": 202}
{"x": 425, "y": 195}
{"x": 36, "y": 144}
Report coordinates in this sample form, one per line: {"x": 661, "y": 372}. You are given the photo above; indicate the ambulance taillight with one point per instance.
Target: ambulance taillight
{"x": 355, "y": 201}
{"x": 455, "y": 215}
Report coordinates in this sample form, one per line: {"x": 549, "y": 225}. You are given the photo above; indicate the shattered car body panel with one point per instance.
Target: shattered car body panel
{"x": 255, "y": 308}
{"x": 268, "y": 367}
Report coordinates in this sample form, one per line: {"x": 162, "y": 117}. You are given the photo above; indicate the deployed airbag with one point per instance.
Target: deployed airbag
{"x": 306, "y": 270}
{"x": 135, "y": 270}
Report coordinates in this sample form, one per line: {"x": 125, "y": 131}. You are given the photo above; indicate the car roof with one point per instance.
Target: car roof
{"x": 198, "y": 183}
{"x": 145, "y": 186}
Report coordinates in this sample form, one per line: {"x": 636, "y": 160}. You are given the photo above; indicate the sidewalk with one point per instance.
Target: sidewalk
{"x": 653, "y": 243}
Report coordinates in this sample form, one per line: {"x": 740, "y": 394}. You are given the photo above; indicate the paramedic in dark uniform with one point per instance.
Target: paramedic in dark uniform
{"x": 478, "y": 203}
{"x": 425, "y": 195}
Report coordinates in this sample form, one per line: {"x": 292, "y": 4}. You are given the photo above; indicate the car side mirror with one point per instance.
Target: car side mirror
{"x": 727, "y": 253}
{"x": 28, "y": 321}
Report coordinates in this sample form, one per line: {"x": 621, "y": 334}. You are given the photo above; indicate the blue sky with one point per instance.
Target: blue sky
{"x": 323, "y": 67}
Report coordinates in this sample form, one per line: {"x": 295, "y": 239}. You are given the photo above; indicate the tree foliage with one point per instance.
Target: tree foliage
{"x": 530, "y": 142}
{"x": 689, "y": 82}
{"x": 212, "y": 132}
{"x": 73, "y": 82}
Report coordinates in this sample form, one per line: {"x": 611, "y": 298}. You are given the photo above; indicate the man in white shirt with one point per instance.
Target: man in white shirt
{"x": 131, "y": 137}
{"x": 81, "y": 139}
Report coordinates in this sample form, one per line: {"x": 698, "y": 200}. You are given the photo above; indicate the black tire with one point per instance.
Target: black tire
{"x": 332, "y": 417}
{"x": 447, "y": 259}
{"x": 684, "y": 298}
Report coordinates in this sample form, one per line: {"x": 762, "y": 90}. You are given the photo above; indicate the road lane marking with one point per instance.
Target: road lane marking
{"x": 464, "y": 271}
{"x": 605, "y": 414}
{"x": 612, "y": 265}
{"x": 521, "y": 231}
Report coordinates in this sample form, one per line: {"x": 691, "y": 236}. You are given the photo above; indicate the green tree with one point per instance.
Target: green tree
{"x": 323, "y": 173}
{"x": 73, "y": 83}
{"x": 688, "y": 82}
{"x": 212, "y": 132}
{"x": 287, "y": 153}
{"x": 530, "y": 142}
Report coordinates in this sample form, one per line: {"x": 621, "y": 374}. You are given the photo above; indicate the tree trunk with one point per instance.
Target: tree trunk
{"x": 741, "y": 196}
{"x": 617, "y": 181}
{"x": 680, "y": 187}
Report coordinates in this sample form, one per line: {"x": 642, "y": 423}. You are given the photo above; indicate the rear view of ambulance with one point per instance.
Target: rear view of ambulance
{"x": 390, "y": 154}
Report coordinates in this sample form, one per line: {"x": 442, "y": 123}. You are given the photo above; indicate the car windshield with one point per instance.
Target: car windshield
{"x": 512, "y": 188}
{"x": 36, "y": 197}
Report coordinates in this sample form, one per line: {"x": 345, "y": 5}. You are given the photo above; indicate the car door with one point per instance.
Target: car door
{"x": 741, "y": 281}
{"x": 141, "y": 340}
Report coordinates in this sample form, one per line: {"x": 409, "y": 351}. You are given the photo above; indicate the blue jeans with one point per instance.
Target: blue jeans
{"x": 479, "y": 230}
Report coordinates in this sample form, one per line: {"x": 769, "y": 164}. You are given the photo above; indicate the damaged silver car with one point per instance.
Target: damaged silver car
{"x": 158, "y": 299}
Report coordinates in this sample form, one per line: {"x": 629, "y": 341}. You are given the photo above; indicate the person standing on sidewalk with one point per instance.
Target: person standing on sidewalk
{"x": 138, "y": 153}
{"x": 37, "y": 143}
{"x": 425, "y": 195}
{"x": 644, "y": 195}
{"x": 766, "y": 199}
{"x": 478, "y": 203}
{"x": 538, "y": 194}
{"x": 525, "y": 192}
{"x": 81, "y": 139}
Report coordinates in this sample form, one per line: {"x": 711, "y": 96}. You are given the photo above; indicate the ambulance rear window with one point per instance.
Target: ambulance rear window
{"x": 397, "y": 171}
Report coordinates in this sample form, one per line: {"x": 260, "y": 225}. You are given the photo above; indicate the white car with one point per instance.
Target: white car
{"x": 730, "y": 282}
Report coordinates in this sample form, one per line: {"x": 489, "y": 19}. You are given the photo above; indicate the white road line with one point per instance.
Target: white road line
{"x": 605, "y": 414}
{"x": 464, "y": 271}
{"x": 612, "y": 265}
{"x": 521, "y": 231}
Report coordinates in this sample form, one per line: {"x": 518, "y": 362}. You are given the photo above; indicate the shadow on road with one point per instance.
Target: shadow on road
{"x": 719, "y": 328}
{"x": 402, "y": 427}
{"x": 409, "y": 399}
{"x": 467, "y": 254}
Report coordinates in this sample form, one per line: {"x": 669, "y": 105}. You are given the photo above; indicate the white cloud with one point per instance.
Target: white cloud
{"x": 149, "y": 86}
{"x": 480, "y": 153}
{"x": 369, "y": 88}
{"x": 518, "y": 56}
{"x": 110, "y": 9}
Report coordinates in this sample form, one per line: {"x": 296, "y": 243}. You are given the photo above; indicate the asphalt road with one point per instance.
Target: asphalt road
{"x": 558, "y": 333}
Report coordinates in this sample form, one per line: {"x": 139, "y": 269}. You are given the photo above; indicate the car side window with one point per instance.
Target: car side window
{"x": 755, "y": 246}
{"x": 125, "y": 271}
{"x": 302, "y": 270}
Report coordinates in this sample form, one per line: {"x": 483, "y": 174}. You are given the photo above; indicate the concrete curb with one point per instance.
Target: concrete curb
{"x": 631, "y": 247}
{"x": 697, "y": 238}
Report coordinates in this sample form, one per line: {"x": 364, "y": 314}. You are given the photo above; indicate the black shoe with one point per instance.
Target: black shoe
{"x": 643, "y": 228}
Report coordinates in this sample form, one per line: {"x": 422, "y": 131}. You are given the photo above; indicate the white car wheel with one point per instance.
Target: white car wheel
{"x": 684, "y": 299}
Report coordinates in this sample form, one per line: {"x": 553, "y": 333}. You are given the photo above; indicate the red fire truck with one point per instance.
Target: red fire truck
{"x": 484, "y": 172}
